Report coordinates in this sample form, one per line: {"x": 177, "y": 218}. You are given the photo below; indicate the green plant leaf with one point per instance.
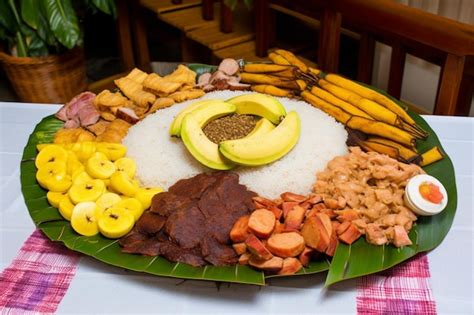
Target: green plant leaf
{"x": 7, "y": 19}
{"x": 63, "y": 21}
{"x": 30, "y": 13}
{"x": 106, "y": 6}
{"x": 37, "y": 47}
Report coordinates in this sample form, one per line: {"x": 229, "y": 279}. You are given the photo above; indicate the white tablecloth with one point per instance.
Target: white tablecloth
{"x": 100, "y": 288}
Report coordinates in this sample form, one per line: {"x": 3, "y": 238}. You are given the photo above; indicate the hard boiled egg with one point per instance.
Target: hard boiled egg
{"x": 425, "y": 195}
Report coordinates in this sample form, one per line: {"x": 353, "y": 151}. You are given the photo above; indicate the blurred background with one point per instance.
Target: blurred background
{"x": 156, "y": 34}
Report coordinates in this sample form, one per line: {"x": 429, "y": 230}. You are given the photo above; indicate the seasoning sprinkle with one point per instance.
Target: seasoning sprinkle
{"x": 230, "y": 127}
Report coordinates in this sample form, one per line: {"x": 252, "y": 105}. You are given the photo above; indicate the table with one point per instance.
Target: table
{"x": 105, "y": 289}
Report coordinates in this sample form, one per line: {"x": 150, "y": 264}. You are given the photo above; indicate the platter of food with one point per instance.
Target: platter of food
{"x": 239, "y": 173}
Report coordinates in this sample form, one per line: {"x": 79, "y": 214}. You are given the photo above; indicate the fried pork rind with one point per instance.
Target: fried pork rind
{"x": 134, "y": 91}
{"x": 137, "y": 75}
{"x": 109, "y": 99}
{"x": 160, "y": 103}
{"x": 182, "y": 96}
{"x": 160, "y": 86}
{"x": 182, "y": 75}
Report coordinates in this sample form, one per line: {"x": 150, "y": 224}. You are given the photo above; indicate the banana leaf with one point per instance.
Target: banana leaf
{"x": 48, "y": 219}
{"x": 349, "y": 261}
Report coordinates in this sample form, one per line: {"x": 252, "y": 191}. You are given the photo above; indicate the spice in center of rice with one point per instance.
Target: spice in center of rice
{"x": 230, "y": 127}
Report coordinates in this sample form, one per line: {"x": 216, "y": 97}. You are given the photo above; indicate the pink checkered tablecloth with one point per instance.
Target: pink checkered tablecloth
{"x": 403, "y": 289}
{"x": 38, "y": 278}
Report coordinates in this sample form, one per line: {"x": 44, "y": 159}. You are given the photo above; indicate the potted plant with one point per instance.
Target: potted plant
{"x": 43, "y": 58}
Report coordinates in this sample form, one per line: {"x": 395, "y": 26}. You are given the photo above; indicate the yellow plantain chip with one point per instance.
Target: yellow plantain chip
{"x": 137, "y": 75}
{"x": 107, "y": 116}
{"x": 161, "y": 102}
{"x": 134, "y": 91}
{"x": 139, "y": 111}
{"x": 159, "y": 85}
{"x": 109, "y": 99}
{"x": 182, "y": 75}
{"x": 182, "y": 96}
{"x": 99, "y": 127}
{"x": 84, "y": 135}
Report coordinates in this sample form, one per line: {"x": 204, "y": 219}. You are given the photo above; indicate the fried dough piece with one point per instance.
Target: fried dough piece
{"x": 137, "y": 75}
{"x": 160, "y": 103}
{"x": 139, "y": 111}
{"x": 182, "y": 75}
{"x": 109, "y": 99}
{"x": 182, "y": 96}
{"x": 115, "y": 131}
{"x": 134, "y": 91}
{"x": 98, "y": 128}
{"x": 186, "y": 87}
{"x": 160, "y": 86}
{"x": 107, "y": 116}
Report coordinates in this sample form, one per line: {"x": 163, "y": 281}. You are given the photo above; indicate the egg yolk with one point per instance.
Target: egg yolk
{"x": 431, "y": 192}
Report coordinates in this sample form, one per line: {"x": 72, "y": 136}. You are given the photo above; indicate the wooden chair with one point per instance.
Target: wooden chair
{"x": 427, "y": 36}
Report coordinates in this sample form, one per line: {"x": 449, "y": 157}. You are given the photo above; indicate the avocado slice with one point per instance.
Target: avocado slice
{"x": 260, "y": 105}
{"x": 199, "y": 145}
{"x": 175, "y": 127}
{"x": 263, "y": 126}
{"x": 268, "y": 147}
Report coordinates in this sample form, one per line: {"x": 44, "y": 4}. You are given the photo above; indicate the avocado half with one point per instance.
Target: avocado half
{"x": 200, "y": 147}
{"x": 268, "y": 147}
{"x": 197, "y": 143}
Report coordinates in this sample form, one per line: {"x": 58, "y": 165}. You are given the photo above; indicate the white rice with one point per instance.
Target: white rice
{"x": 163, "y": 160}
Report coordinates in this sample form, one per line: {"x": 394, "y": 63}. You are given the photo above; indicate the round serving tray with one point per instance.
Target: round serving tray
{"x": 349, "y": 261}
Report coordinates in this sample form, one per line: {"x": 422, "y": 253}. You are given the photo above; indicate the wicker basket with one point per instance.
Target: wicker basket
{"x": 50, "y": 79}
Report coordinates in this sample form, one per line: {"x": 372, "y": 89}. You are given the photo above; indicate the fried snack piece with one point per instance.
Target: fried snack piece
{"x": 109, "y": 99}
{"x": 141, "y": 112}
{"x": 160, "y": 86}
{"x": 182, "y": 96}
{"x": 98, "y": 128}
{"x": 160, "y": 103}
{"x": 137, "y": 75}
{"x": 108, "y": 116}
{"x": 182, "y": 75}
{"x": 135, "y": 92}
{"x": 187, "y": 87}
{"x": 115, "y": 131}
{"x": 64, "y": 136}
